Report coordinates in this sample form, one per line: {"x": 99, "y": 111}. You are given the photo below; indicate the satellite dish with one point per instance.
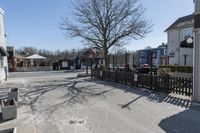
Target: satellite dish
{"x": 189, "y": 40}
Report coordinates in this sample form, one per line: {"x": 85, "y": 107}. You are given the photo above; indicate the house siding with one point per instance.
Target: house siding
{"x": 172, "y": 48}
{"x": 197, "y": 6}
{"x": 196, "y": 72}
{"x": 189, "y": 56}
{"x": 144, "y": 56}
{"x": 174, "y": 51}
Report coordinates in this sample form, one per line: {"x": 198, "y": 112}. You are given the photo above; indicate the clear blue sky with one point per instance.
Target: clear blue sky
{"x": 36, "y": 22}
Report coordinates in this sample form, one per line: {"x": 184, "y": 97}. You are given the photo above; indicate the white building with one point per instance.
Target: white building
{"x": 3, "y": 52}
{"x": 178, "y": 51}
{"x": 196, "y": 79}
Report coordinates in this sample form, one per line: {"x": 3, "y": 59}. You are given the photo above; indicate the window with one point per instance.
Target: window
{"x": 186, "y": 37}
{"x": 141, "y": 53}
{"x": 186, "y": 33}
{"x": 165, "y": 52}
{"x": 172, "y": 54}
{"x": 101, "y": 62}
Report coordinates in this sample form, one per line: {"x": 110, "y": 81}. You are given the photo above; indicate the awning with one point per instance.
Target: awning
{"x": 3, "y": 52}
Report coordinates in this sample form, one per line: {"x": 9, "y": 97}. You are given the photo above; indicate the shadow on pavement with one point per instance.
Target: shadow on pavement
{"x": 187, "y": 121}
{"x": 3, "y": 121}
{"x": 148, "y": 94}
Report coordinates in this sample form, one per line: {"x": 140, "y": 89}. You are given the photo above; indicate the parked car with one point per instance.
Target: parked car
{"x": 145, "y": 69}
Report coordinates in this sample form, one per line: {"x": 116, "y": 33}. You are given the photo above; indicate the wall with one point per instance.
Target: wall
{"x": 158, "y": 53}
{"x": 175, "y": 37}
{"x": 3, "y": 60}
{"x": 197, "y": 6}
{"x": 172, "y": 48}
{"x": 189, "y": 58}
{"x": 196, "y": 72}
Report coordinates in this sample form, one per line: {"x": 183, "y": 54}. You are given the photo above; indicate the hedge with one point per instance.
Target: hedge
{"x": 181, "y": 69}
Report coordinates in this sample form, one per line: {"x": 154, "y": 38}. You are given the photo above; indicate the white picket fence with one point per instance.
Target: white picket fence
{"x": 33, "y": 69}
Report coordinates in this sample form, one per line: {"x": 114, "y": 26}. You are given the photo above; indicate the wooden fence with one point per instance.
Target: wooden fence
{"x": 167, "y": 84}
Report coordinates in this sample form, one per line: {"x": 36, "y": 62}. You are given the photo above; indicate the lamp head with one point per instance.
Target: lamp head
{"x": 189, "y": 40}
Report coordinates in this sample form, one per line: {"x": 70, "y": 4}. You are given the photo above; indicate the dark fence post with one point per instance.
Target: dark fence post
{"x": 91, "y": 67}
{"x": 168, "y": 83}
{"x": 86, "y": 66}
{"x": 113, "y": 62}
{"x": 116, "y": 76}
{"x": 91, "y": 73}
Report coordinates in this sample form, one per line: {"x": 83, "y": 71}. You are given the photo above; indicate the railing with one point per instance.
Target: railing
{"x": 167, "y": 84}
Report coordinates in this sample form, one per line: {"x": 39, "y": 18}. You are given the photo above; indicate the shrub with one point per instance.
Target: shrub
{"x": 102, "y": 67}
{"x": 163, "y": 71}
{"x": 180, "y": 69}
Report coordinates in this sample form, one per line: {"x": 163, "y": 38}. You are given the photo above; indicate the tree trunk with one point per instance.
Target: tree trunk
{"x": 106, "y": 57}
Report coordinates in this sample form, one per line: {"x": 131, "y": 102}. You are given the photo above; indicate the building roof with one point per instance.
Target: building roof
{"x": 3, "y": 51}
{"x": 162, "y": 46}
{"x": 1, "y": 11}
{"x": 180, "y": 20}
{"x": 36, "y": 57}
{"x": 18, "y": 56}
{"x": 10, "y": 48}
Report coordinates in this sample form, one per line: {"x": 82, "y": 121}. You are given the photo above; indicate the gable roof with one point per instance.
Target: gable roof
{"x": 180, "y": 20}
{"x": 36, "y": 57}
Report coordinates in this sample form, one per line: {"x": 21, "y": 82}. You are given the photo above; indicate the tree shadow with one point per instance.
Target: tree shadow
{"x": 187, "y": 121}
{"x": 80, "y": 94}
{"x": 73, "y": 93}
{"x": 129, "y": 103}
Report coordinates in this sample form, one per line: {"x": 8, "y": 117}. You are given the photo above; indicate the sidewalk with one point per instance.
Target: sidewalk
{"x": 24, "y": 122}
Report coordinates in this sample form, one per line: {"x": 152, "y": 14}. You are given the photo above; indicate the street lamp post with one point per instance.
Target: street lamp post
{"x": 151, "y": 68}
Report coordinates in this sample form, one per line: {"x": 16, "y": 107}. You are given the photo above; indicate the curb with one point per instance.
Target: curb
{"x": 195, "y": 105}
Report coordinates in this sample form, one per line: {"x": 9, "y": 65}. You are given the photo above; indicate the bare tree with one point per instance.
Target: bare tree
{"x": 105, "y": 23}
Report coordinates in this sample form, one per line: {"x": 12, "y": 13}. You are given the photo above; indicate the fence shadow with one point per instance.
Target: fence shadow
{"x": 187, "y": 121}
{"x": 150, "y": 95}
{"x": 178, "y": 101}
